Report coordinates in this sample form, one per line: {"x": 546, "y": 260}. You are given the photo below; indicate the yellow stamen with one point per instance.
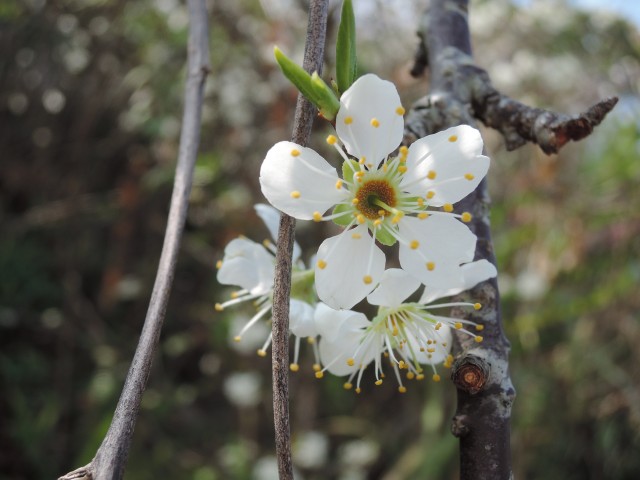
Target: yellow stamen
{"x": 295, "y": 152}
{"x": 351, "y": 362}
{"x": 404, "y": 151}
{"x": 321, "y": 264}
{"x": 316, "y": 367}
{"x": 356, "y": 236}
{"x": 311, "y": 340}
{"x": 478, "y": 339}
{"x": 447, "y": 207}
{"x": 430, "y": 194}
{"x": 411, "y": 375}
{"x": 400, "y": 111}
{"x": 219, "y": 264}
{"x": 479, "y": 328}
{"x": 378, "y": 382}
{"x": 458, "y": 325}
{"x": 375, "y": 123}
{"x": 361, "y": 218}
{"x": 431, "y": 175}
{"x": 414, "y": 244}
{"x": 332, "y": 139}
{"x": 339, "y": 184}
{"x": 367, "y": 279}
{"x": 423, "y": 215}
{"x": 294, "y": 367}
{"x": 436, "y": 377}
{"x": 453, "y": 138}
{"x": 319, "y": 374}
{"x": 402, "y": 389}
{"x": 237, "y": 338}
{"x": 295, "y": 194}
{"x": 348, "y": 120}
{"x": 431, "y": 266}
{"x": 466, "y": 217}
{"x": 355, "y": 201}
{"x": 347, "y": 386}
{"x": 477, "y": 306}
{"x": 261, "y": 353}
{"x": 317, "y": 217}
{"x": 402, "y": 169}
{"x": 469, "y": 176}
{"x": 219, "y": 307}
{"x": 358, "y": 390}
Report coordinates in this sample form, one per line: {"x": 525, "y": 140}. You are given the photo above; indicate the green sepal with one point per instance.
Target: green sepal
{"x": 385, "y": 238}
{"x": 349, "y": 167}
{"x": 312, "y": 86}
{"x": 346, "y": 66}
{"x": 328, "y": 103}
{"x": 344, "y": 220}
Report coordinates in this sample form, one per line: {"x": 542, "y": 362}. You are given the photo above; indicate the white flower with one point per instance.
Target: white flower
{"x": 385, "y": 198}
{"x": 408, "y": 334}
{"x": 250, "y": 266}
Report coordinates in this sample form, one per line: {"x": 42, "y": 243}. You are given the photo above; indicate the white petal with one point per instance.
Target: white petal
{"x": 456, "y": 167}
{"x": 298, "y": 181}
{"x": 353, "y": 266}
{"x": 370, "y": 99}
{"x": 331, "y": 323}
{"x": 472, "y": 274}
{"x": 248, "y": 265}
{"x": 271, "y": 218}
{"x": 349, "y": 345}
{"x": 442, "y": 335}
{"x": 301, "y": 319}
{"x": 395, "y": 287}
{"x": 443, "y": 244}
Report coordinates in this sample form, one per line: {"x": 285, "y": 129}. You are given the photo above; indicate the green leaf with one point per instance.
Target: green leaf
{"x": 385, "y": 238}
{"x": 345, "y": 219}
{"x": 346, "y": 66}
{"x": 349, "y": 167}
{"x": 328, "y": 103}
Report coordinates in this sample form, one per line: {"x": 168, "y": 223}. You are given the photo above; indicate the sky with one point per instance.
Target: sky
{"x": 627, "y": 8}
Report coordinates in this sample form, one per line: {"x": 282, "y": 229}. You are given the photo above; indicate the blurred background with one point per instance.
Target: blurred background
{"x": 90, "y": 106}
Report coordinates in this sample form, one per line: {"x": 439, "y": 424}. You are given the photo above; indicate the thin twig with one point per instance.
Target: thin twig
{"x": 110, "y": 459}
{"x": 304, "y": 115}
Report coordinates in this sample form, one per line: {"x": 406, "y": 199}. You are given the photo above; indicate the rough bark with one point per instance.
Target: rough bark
{"x": 110, "y": 459}
{"x": 303, "y": 120}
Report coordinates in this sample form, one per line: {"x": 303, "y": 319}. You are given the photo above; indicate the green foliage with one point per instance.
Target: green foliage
{"x": 346, "y": 63}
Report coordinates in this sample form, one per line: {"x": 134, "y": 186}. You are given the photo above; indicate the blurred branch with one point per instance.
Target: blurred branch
{"x": 110, "y": 459}
{"x": 481, "y": 370}
{"x": 304, "y": 115}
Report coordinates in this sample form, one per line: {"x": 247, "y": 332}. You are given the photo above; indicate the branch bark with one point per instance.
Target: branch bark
{"x": 303, "y": 121}
{"x": 110, "y": 459}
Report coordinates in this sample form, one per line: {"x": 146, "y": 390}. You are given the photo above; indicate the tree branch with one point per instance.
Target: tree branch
{"x": 110, "y": 459}
{"x": 481, "y": 370}
{"x": 520, "y": 123}
{"x": 304, "y": 115}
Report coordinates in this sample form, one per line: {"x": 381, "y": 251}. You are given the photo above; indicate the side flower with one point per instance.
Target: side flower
{"x": 250, "y": 266}
{"x": 406, "y": 335}
{"x": 384, "y": 198}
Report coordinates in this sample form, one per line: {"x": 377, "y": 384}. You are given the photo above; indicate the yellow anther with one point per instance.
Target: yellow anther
{"x": 351, "y": 362}
{"x": 431, "y": 350}
{"x": 429, "y": 342}
{"x": 317, "y": 217}
{"x": 262, "y": 353}
{"x": 362, "y": 162}
{"x": 234, "y": 295}
{"x": 436, "y": 377}
{"x": 219, "y": 307}
{"x": 423, "y": 215}
{"x": 332, "y": 139}
{"x": 367, "y": 279}
{"x": 438, "y": 326}
{"x": 355, "y": 201}
{"x": 422, "y": 349}
{"x": 316, "y": 367}
{"x": 321, "y": 264}
{"x": 414, "y": 244}
{"x": 378, "y": 382}
{"x": 431, "y": 266}
{"x": 447, "y": 207}
{"x": 219, "y": 264}
{"x": 237, "y": 338}
{"x": 420, "y": 202}
{"x": 347, "y": 386}
{"x": 339, "y": 184}
{"x": 400, "y": 110}
{"x": 348, "y": 120}
{"x": 377, "y": 223}
{"x": 385, "y": 167}
{"x": 361, "y": 218}
{"x": 466, "y": 217}
{"x": 402, "y": 389}
{"x": 458, "y": 325}
{"x": 402, "y": 169}
{"x": 477, "y": 306}
{"x": 358, "y": 390}
{"x": 294, "y": 367}
{"x": 401, "y": 364}
{"x": 375, "y": 123}
{"x": 404, "y": 151}
{"x": 295, "y": 152}
{"x": 479, "y": 328}
{"x": 430, "y": 194}
{"x": 382, "y": 213}
{"x": 356, "y": 236}
{"x": 295, "y": 194}
{"x": 411, "y": 375}
{"x": 319, "y": 374}
{"x": 453, "y": 138}
{"x": 311, "y": 340}
{"x": 469, "y": 176}
{"x": 431, "y": 175}
{"x": 478, "y": 338}
{"x": 420, "y": 376}
{"x": 266, "y": 242}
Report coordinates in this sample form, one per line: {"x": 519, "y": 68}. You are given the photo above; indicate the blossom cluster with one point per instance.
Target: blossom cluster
{"x": 386, "y": 194}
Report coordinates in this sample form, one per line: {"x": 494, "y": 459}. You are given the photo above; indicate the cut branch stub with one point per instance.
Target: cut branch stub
{"x": 470, "y": 373}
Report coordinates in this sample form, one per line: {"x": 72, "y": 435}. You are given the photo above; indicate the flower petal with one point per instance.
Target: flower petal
{"x": 449, "y": 164}
{"x": 349, "y": 266}
{"x": 334, "y": 355}
{"x": 331, "y": 323}
{"x": 395, "y": 287}
{"x": 369, "y": 121}
{"x": 247, "y": 264}
{"x": 271, "y": 218}
{"x": 298, "y": 181}
{"x": 443, "y": 244}
{"x": 472, "y": 274}
{"x": 301, "y": 319}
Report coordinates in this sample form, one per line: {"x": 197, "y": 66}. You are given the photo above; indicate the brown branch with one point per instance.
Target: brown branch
{"x": 520, "y": 123}
{"x": 304, "y": 115}
{"x": 110, "y": 459}
{"x": 481, "y": 370}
